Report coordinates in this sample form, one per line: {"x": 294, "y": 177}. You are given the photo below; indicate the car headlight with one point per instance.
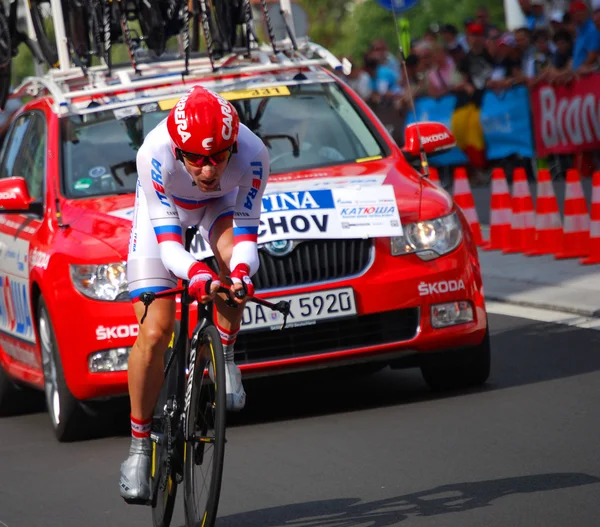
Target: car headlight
{"x": 429, "y": 239}
{"x": 101, "y": 282}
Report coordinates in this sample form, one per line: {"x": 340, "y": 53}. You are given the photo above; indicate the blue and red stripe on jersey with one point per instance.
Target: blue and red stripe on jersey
{"x": 227, "y": 214}
{"x": 191, "y": 204}
{"x": 245, "y": 234}
{"x": 169, "y": 233}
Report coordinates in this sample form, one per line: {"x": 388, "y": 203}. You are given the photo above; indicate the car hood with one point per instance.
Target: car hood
{"x": 418, "y": 198}
{"x": 109, "y": 218}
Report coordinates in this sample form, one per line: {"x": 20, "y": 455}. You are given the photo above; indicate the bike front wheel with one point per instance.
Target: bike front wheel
{"x": 205, "y": 411}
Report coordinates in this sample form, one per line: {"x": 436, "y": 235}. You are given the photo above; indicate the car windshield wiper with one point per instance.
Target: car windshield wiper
{"x": 294, "y": 140}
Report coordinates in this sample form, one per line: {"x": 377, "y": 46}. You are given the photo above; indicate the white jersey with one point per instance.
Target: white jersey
{"x": 175, "y": 203}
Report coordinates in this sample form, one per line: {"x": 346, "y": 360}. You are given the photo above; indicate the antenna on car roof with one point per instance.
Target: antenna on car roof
{"x": 423, "y": 154}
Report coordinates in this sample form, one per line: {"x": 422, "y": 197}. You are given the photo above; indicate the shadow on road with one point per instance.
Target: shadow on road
{"x": 459, "y": 497}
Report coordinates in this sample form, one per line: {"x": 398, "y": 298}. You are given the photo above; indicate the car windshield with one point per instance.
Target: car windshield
{"x": 311, "y": 126}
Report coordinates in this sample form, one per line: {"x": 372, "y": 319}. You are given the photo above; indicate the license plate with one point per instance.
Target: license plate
{"x": 305, "y": 309}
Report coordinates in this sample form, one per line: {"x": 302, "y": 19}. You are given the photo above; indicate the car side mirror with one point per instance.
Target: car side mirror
{"x": 14, "y": 196}
{"x": 435, "y": 137}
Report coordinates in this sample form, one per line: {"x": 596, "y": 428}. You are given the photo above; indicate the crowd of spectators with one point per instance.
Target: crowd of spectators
{"x": 558, "y": 43}
{"x": 554, "y": 46}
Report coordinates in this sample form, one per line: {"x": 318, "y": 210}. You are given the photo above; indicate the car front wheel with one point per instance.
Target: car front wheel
{"x": 65, "y": 411}
{"x": 465, "y": 368}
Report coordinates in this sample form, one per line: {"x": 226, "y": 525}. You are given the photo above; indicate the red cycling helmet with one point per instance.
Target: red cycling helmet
{"x": 203, "y": 123}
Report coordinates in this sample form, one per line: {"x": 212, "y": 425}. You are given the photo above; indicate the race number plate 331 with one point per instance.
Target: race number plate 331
{"x": 305, "y": 309}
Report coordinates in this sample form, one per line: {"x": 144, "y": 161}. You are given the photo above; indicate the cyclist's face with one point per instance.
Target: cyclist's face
{"x": 207, "y": 176}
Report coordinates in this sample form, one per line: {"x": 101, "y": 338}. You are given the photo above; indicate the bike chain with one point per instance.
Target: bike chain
{"x": 164, "y": 479}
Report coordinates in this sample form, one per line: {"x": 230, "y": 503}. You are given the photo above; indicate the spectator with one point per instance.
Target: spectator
{"x": 540, "y": 66}
{"x": 384, "y": 85}
{"x": 452, "y": 40}
{"x": 557, "y": 21}
{"x": 537, "y": 19}
{"x": 482, "y": 17}
{"x": 564, "y": 49}
{"x": 443, "y": 75}
{"x": 380, "y": 48}
{"x": 493, "y": 41}
{"x": 360, "y": 81}
{"x": 477, "y": 69}
{"x": 507, "y": 61}
{"x": 587, "y": 41}
{"x": 430, "y": 36}
{"x": 534, "y": 13}
{"x": 596, "y": 13}
{"x": 526, "y": 50}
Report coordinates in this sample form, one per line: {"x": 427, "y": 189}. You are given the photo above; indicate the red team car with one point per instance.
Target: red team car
{"x": 67, "y": 183}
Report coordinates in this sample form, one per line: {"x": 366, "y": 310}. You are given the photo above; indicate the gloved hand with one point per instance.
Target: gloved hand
{"x": 241, "y": 283}
{"x": 204, "y": 283}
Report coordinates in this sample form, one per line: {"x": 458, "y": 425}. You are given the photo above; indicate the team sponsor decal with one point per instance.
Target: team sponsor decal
{"x": 368, "y": 212}
{"x": 20, "y": 351}
{"x": 318, "y": 181}
{"x": 11, "y": 224}
{"x": 208, "y": 143}
{"x": 226, "y": 129}
{"x": 39, "y": 259}
{"x": 116, "y": 332}
{"x": 15, "y": 311}
{"x": 257, "y": 172}
{"x": 126, "y": 213}
{"x": 157, "y": 183}
{"x": 149, "y": 107}
{"x": 271, "y": 91}
{"x": 436, "y": 288}
{"x": 8, "y": 195}
{"x": 181, "y": 119}
{"x": 124, "y": 113}
{"x": 274, "y": 91}
{"x": 435, "y": 137}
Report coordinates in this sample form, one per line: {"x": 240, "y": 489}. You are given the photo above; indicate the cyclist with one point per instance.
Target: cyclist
{"x": 198, "y": 167}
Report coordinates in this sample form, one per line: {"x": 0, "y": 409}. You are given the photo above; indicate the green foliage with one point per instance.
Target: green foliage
{"x": 22, "y": 65}
{"x": 347, "y": 28}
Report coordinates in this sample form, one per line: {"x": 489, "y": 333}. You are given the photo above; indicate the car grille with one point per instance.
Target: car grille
{"x": 335, "y": 335}
{"x": 311, "y": 261}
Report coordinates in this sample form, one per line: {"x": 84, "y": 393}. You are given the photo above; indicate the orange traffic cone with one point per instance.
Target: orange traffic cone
{"x": 576, "y": 225}
{"x": 434, "y": 176}
{"x": 548, "y": 225}
{"x": 594, "y": 257}
{"x": 463, "y": 197}
{"x": 500, "y": 214}
{"x": 522, "y": 232}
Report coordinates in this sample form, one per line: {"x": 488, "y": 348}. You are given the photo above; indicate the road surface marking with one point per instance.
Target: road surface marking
{"x": 543, "y": 315}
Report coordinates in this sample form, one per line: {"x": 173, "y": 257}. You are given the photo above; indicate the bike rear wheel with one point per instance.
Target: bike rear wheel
{"x": 165, "y": 464}
{"x": 204, "y": 430}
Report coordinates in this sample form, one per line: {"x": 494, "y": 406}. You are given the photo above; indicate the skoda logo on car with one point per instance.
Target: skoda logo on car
{"x": 279, "y": 247}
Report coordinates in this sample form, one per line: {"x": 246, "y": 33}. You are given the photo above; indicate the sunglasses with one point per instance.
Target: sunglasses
{"x": 199, "y": 160}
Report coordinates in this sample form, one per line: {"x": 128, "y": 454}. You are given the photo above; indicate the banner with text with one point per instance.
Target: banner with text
{"x": 567, "y": 118}
{"x": 505, "y": 119}
{"x": 366, "y": 212}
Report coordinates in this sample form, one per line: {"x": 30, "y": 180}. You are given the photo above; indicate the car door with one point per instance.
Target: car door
{"x": 23, "y": 155}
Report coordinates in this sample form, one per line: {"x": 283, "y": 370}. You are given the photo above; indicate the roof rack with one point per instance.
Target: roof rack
{"x": 67, "y": 83}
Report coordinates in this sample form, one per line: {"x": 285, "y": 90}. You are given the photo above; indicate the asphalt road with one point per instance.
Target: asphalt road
{"x": 379, "y": 452}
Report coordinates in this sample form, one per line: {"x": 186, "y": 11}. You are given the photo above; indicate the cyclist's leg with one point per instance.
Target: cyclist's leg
{"x": 217, "y": 229}
{"x": 145, "y": 272}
